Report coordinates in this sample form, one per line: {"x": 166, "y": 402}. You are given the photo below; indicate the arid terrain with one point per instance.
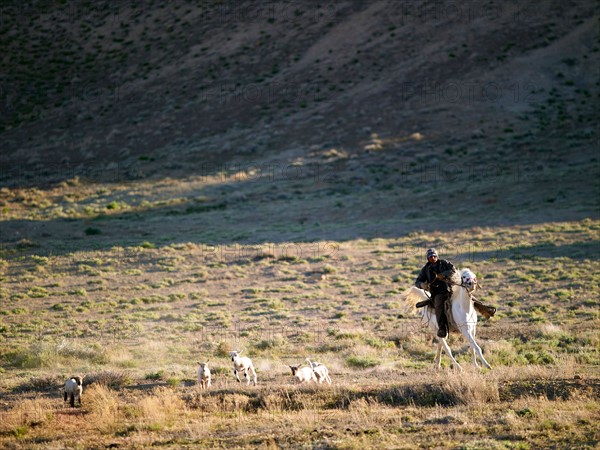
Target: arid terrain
{"x": 179, "y": 180}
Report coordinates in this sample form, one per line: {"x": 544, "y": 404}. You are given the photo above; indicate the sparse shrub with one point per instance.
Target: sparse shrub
{"x": 73, "y": 349}
{"x": 46, "y": 354}
{"x": 223, "y": 349}
{"x": 161, "y": 409}
{"x": 20, "y": 431}
{"x": 276, "y": 341}
{"x": 81, "y": 292}
{"x": 155, "y": 375}
{"x": 174, "y": 381}
{"x": 525, "y": 412}
{"x": 88, "y": 270}
{"x": 539, "y": 357}
{"x": 109, "y": 378}
{"x": 91, "y": 231}
{"x": 275, "y": 304}
{"x": 378, "y": 343}
{"x": 104, "y": 408}
{"x": 328, "y": 269}
{"x": 471, "y": 388}
{"x": 220, "y": 370}
{"x": 115, "y": 205}
{"x": 361, "y": 362}
{"x": 289, "y": 258}
{"x": 25, "y": 244}
{"x": 43, "y": 383}
{"x": 38, "y": 292}
{"x": 42, "y": 260}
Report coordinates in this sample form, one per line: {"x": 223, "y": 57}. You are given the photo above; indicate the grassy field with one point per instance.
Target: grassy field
{"x": 134, "y": 317}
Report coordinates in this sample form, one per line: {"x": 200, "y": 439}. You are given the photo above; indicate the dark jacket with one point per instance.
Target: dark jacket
{"x": 428, "y": 273}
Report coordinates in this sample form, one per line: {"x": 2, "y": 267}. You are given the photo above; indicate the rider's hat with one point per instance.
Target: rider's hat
{"x": 431, "y": 252}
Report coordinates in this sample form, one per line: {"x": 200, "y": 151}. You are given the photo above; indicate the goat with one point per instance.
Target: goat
{"x": 320, "y": 370}
{"x": 244, "y": 364}
{"x": 303, "y": 374}
{"x": 73, "y": 390}
{"x": 204, "y": 375}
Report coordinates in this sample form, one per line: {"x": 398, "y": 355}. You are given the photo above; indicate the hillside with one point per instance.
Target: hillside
{"x": 178, "y": 180}
{"x": 313, "y": 114}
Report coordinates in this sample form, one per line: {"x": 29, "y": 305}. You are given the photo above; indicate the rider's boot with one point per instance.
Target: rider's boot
{"x": 440, "y": 315}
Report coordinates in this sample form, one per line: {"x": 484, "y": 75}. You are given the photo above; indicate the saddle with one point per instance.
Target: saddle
{"x": 447, "y": 310}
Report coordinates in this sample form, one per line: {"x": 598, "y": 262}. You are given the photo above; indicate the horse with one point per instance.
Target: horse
{"x": 464, "y": 315}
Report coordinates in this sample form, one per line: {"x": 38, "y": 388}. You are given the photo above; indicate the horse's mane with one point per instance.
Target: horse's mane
{"x": 456, "y": 277}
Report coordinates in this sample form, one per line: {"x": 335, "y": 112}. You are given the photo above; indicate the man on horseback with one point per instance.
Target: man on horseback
{"x": 433, "y": 277}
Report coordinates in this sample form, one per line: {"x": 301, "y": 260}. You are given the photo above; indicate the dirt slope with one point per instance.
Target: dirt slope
{"x": 488, "y": 110}
{"x": 103, "y": 83}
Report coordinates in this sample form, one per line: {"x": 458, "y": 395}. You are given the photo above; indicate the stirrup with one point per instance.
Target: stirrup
{"x": 424, "y": 303}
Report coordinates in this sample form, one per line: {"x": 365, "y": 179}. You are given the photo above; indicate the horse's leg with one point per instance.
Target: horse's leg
{"x": 433, "y": 326}
{"x": 476, "y": 349}
{"x": 473, "y": 330}
{"x": 438, "y": 355}
{"x": 449, "y": 353}
{"x": 474, "y": 354}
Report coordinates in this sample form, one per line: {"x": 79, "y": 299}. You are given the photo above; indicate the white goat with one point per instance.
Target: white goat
{"x": 320, "y": 370}
{"x": 203, "y": 375}
{"x": 244, "y": 364}
{"x": 73, "y": 390}
{"x": 303, "y": 374}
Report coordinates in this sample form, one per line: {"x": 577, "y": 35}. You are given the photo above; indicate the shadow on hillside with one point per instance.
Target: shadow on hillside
{"x": 578, "y": 250}
{"x": 320, "y": 208}
{"x": 234, "y": 239}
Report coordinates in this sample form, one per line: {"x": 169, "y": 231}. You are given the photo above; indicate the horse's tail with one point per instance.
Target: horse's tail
{"x": 409, "y": 298}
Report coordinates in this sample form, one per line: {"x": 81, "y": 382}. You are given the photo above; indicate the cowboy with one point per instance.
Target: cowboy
{"x": 432, "y": 277}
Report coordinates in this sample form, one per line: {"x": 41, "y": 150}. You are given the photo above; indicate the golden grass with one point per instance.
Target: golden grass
{"x": 161, "y": 409}
{"x": 405, "y": 413}
{"x": 103, "y": 406}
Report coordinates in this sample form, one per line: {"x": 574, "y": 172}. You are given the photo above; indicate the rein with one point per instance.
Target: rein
{"x": 462, "y": 284}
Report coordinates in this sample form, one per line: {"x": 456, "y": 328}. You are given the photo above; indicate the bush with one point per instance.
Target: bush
{"x": 47, "y": 354}
{"x": 109, "y": 378}
{"x": 154, "y": 375}
{"x": 90, "y": 231}
{"x": 42, "y": 383}
{"x": 222, "y": 349}
{"x": 361, "y": 362}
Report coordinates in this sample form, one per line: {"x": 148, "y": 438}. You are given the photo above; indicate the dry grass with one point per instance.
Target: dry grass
{"x": 142, "y": 326}
{"x": 103, "y": 406}
{"x": 109, "y": 378}
{"x": 408, "y": 413}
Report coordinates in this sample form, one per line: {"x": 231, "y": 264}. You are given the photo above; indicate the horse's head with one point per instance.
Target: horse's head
{"x": 468, "y": 280}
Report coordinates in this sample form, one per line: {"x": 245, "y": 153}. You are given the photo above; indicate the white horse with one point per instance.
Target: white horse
{"x": 463, "y": 313}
